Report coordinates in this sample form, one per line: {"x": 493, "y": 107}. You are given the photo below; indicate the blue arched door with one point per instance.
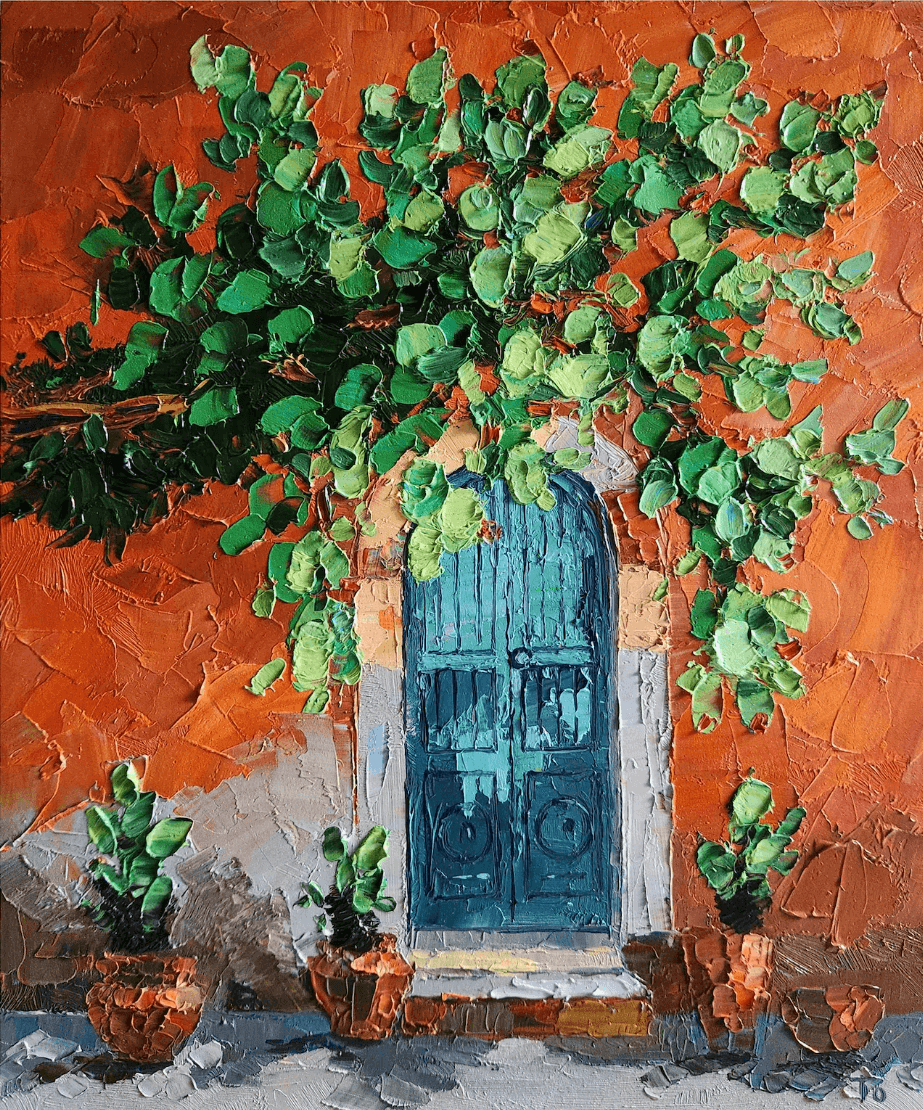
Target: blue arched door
{"x": 511, "y": 818}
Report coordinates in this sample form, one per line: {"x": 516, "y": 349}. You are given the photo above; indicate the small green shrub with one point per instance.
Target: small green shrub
{"x": 356, "y": 891}
{"x": 738, "y": 871}
{"x": 132, "y": 893}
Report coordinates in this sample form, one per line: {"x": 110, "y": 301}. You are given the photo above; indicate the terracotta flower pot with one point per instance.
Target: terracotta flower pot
{"x": 729, "y": 975}
{"x": 361, "y": 995}
{"x": 146, "y": 1005}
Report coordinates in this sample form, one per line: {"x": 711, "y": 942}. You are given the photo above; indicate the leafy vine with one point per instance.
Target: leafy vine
{"x": 312, "y": 350}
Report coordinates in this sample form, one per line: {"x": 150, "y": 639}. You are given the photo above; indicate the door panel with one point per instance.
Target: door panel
{"x": 508, "y": 708}
{"x": 562, "y": 873}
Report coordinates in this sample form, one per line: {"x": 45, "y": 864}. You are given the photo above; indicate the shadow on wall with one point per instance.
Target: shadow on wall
{"x": 240, "y": 939}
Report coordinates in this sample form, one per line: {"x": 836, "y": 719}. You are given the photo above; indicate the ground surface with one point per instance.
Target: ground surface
{"x": 291, "y": 1062}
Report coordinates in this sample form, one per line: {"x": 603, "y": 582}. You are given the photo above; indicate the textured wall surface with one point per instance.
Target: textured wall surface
{"x": 150, "y": 656}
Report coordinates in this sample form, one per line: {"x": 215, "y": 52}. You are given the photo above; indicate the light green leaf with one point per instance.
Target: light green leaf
{"x": 689, "y": 233}
{"x": 167, "y": 836}
{"x": 577, "y": 150}
{"x": 103, "y": 829}
{"x": 372, "y": 849}
{"x": 859, "y": 528}
{"x": 125, "y": 783}
{"x": 490, "y": 273}
{"x": 266, "y": 676}
{"x": 751, "y": 802}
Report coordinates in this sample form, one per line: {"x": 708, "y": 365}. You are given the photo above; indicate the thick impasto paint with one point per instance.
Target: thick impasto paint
{"x": 461, "y": 637}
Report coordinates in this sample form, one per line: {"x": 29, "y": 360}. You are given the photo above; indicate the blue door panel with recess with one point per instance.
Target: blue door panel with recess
{"x": 508, "y": 703}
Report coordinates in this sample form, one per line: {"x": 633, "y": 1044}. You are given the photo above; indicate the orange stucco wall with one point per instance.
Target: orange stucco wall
{"x": 150, "y": 656}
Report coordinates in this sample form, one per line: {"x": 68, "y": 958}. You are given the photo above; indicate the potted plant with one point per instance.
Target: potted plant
{"x": 358, "y": 977}
{"x": 148, "y": 1002}
{"x": 731, "y": 968}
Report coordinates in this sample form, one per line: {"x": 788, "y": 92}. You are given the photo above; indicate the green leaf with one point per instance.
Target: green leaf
{"x": 490, "y": 274}
{"x": 652, "y": 428}
{"x": 890, "y": 415}
{"x": 798, "y": 125}
{"x": 372, "y": 849}
{"x": 137, "y": 816}
{"x": 859, "y": 528}
{"x": 333, "y": 846}
{"x": 731, "y": 520}
{"x": 578, "y": 149}
{"x": 283, "y": 415}
{"x": 423, "y": 490}
{"x": 345, "y": 874}
{"x": 125, "y": 783}
{"x": 167, "y": 836}
{"x": 703, "y": 614}
{"x": 734, "y": 650}
{"x": 313, "y": 893}
{"x": 401, "y": 248}
{"x": 94, "y": 431}
{"x": 143, "y": 872}
{"x": 292, "y": 171}
{"x": 249, "y": 290}
{"x": 264, "y": 601}
{"x": 157, "y": 896}
{"x": 651, "y": 86}
{"x": 292, "y": 325}
{"x": 426, "y": 80}
{"x": 231, "y": 72}
{"x": 791, "y": 608}
{"x": 722, "y": 144}
{"x": 104, "y": 870}
{"x": 753, "y": 699}
{"x": 705, "y": 688}
{"x": 703, "y": 51}
{"x": 716, "y": 864}
{"x": 101, "y": 240}
{"x": 103, "y": 829}
{"x": 554, "y": 237}
{"x": 424, "y": 548}
{"x": 214, "y": 406}
{"x": 358, "y": 387}
{"x": 223, "y": 338}
{"x": 266, "y": 676}
{"x": 659, "y": 487}
{"x": 241, "y": 534}
{"x": 689, "y": 233}
{"x": 688, "y": 562}
{"x": 761, "y": 189}
{"x": 751, "y": 802}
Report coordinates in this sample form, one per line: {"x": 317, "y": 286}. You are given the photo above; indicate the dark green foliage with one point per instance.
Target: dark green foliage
{"x": 335, "y": 345}
{"x": 133, "y": 895}
{"x": 357, "y": 889}
{"x": 737, "y": 871}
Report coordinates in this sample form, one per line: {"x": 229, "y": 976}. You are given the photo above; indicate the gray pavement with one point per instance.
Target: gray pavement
{"x": 291, "y": 1062}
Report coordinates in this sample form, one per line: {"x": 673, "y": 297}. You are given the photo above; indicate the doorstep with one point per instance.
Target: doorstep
{"x": 498, "y": 993}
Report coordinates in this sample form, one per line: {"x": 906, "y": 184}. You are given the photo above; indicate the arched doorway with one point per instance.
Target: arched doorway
{"x": 512, "y": 818}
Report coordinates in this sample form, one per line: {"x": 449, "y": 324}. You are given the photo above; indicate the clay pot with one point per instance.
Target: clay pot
{"x": 146, "y": 1005}
{"x": 729, "y": 975}
{"x": 836, "y": 1019}
{"x": 361, "y": 995}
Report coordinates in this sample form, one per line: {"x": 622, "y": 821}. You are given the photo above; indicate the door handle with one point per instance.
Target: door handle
{"x": 519, "y": 657}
